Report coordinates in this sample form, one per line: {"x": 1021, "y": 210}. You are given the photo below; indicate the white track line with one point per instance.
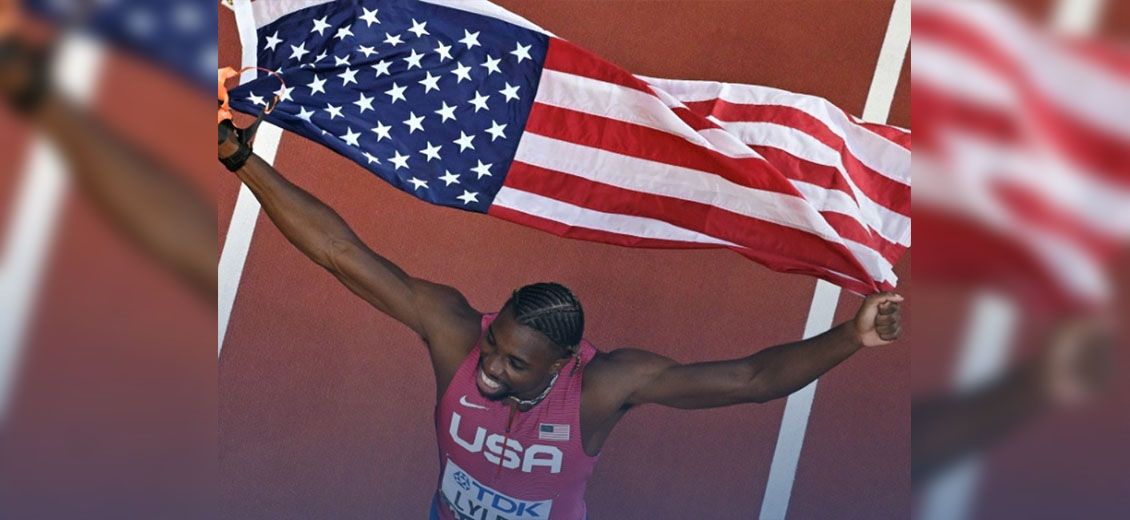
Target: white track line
{"x": 984, "y": 354}
{"x": 1077, "y": 17}
{"x": 242, "y": 226}
{"x": 38, "y": 205}
{"x": 794, "y": 423}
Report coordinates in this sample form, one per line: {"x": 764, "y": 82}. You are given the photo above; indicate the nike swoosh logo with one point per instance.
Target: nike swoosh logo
{"x": 463, "y": 401}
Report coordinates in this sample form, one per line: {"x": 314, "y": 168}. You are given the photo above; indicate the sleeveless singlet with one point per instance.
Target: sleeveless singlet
{"x": 537, "y": 471}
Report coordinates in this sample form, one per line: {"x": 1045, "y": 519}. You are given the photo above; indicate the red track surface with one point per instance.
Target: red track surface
{"x": 326, "y": 405}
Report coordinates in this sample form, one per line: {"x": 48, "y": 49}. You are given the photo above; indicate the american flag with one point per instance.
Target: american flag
{"x": 463, "y": 104}
{"x": 553, "y": 432}
{"x": 1022, "y": 171}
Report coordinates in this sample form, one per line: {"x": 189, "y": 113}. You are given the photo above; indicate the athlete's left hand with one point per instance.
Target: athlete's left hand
{"x": 878, "y": 321}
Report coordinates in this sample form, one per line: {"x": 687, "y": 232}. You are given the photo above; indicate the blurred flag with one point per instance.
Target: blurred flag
{"x": 1022, "y": 166}
{"x": 178, "y": 35}
{"x": 467, "y": 105}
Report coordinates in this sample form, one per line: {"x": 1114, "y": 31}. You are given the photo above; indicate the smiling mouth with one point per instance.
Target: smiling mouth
{"x": 488, "y": 384}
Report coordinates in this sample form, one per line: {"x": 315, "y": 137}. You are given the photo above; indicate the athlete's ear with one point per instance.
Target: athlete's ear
{"x": 560, "y": 363}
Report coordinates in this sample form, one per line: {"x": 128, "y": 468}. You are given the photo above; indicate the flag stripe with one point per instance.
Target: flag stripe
{"x": 687, "y": 215}
{"x": 727, "y": 115}
{"x": 879, "y": 154}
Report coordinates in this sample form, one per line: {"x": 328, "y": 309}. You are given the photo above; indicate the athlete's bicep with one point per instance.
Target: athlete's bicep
{"x": 656, "y": 379}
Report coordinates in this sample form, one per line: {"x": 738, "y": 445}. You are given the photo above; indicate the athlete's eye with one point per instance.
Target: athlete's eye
{"x": 518, "y": 365}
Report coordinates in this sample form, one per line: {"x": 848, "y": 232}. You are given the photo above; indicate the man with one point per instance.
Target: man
{"x": 524, "y": 403}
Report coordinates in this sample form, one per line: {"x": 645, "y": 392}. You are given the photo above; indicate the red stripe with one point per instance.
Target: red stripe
{"x": 879, "y": 188}
{"x": 563, "y": 56}
{"x": 1038, "y": 212}
{"x": 653, "y": 145}
{"x": 780, "y": 245}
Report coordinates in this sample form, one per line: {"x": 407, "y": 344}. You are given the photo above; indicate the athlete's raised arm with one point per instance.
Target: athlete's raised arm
{"x": 438, "y": 313}
{"x": 645, "y": 377}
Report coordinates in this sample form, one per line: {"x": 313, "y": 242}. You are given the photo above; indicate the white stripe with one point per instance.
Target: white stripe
{"x": 875, "y": 151}
{"x": 890, "y": 224}
{"x": 667, "y": 180}
{"x": 943, "y": 67}
{"x": 790, "y": 439}
{"x": 577, "y": 216}
{"x": 267, "y": 12}
{"x": 242, "y": 226}
{"x": 38, "y": 205}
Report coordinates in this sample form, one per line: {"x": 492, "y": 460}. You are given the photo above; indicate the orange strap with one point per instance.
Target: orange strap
{"x": 226, "y": 73}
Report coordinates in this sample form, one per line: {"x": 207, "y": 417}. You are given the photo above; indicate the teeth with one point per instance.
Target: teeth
{"x": 490, "y": 383}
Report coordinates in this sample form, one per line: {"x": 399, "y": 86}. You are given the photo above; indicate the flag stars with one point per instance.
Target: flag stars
{"x": 342, "y": 32}
{"x": 320, "y": 26}
{"x": 284, "y": 93}
{"x": 350, "y": 136}
{"x": 522, "y": 52}
{"x": 396, "y": 92}
{"x": 340, "y": 61}
{"x": 366, "y": 50}
{"x": 430, "y": 82}
{"x": 492, "y": 65}
{"x": 334, "y": 111}
{"x": 462, "y": 72}
{"x": 273, "y": 41}
{"x": 468, "y": 197}
{"x": 464, "y": 141}
{"x": 510, "y": 92}
{"x": 316, "y": 86}
{"x": 470, "y": 39}
{"x": 305, "y": 115}
{"x": 364, "y": 103}
{"x": 431, "y": 152}
{"x": 382, "y": 131}
{"x": 370, "y": 17}
{"x": 444, "y": 52}
{"x": 414, "y": 122}
{"x": 418, "y": 183}
{"x": 449, "y": 178}
{"x": 347, "y": 77}
{"x": 371, "y": 158}
{"x": 480, "y": 101}
{"x": 446, "y": 113}
{"x": 399, "y": 161}
{"x": 418, "y": 28}
{"x": 393, "y": 39}
{"x": 298, "y": 51}
{"x": 496, "y": 130}
{"x": 483, "y": 170}
{"x": 257, "y": 99}
{"x": 414, "y": 59}
{"x": 382, "y": 68}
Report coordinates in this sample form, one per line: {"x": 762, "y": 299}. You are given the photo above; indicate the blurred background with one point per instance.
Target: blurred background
{"x": 107, "y": 226}
{"x": 1022, "y": 221}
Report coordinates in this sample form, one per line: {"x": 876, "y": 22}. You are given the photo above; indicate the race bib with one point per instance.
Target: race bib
{"x": 471, "y": 500}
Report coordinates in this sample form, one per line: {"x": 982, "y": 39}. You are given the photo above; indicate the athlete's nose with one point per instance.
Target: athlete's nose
{"x": 493, "y": 367}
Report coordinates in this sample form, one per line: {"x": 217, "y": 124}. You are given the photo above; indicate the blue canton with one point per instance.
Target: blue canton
{"x": 431, "y": 99}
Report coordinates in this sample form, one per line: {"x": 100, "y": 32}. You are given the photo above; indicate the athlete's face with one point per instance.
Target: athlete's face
{"x": 516, "y": 360}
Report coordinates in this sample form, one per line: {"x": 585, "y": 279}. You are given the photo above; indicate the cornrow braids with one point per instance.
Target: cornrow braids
{"x": 551, "y": 309}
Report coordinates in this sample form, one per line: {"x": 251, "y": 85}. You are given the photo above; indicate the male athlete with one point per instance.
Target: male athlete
{"x": 524, "y": 402}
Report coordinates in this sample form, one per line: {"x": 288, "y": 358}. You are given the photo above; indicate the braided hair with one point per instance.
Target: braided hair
{"x": 551, "y": 309}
